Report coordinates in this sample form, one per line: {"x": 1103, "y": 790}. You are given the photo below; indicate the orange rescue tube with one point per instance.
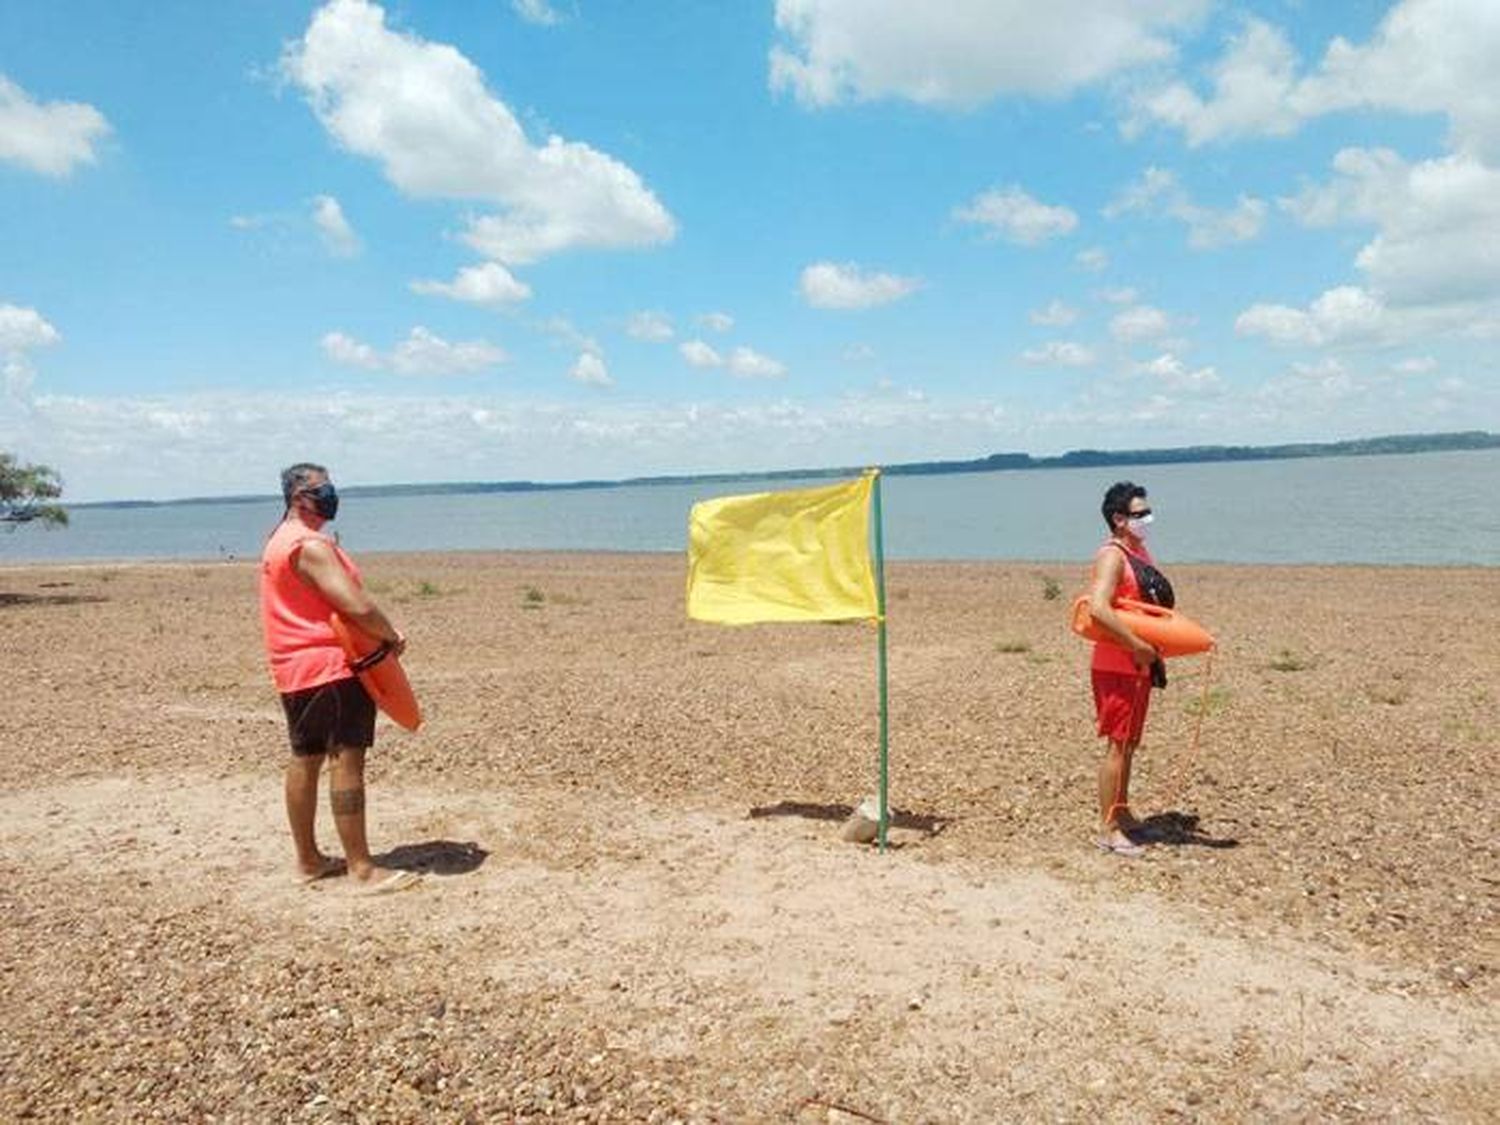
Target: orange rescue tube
{"x": 1165, "y": 630}
{"x": 380, "y": 671}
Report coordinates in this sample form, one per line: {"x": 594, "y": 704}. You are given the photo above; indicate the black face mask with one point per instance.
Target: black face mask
{"x": 325, "y": 499}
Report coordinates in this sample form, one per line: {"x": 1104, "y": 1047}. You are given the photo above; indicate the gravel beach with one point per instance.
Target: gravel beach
{"x": 638, "y": 905}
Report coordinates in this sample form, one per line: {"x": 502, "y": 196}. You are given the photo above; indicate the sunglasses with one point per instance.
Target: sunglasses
{"x": 1138, "y": 515}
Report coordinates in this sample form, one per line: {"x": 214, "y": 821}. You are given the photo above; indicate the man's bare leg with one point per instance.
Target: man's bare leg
{"x": 301, "y": 787}
{"x": 346, "y": 796}
{"x": 1114, "y": 799}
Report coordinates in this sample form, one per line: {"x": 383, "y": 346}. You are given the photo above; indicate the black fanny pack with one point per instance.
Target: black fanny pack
{"x": 1157, "y": 590}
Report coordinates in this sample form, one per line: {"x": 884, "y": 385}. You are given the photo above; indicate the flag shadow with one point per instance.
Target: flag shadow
{"x": 929, "y": 824}
{"x": 435, "y": 857}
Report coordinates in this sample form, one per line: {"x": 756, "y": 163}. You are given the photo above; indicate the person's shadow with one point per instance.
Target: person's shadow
{"x": 435, "y": 857}
{"x": 1179, "y": 829}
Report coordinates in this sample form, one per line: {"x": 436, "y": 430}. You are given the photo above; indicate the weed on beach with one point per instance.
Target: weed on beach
{"x": 1051, "y": 588}
{"x": 1012, "y": 647}
{"x": 1215, "y": 699}
{"x": 1392, "y": 692}
{"x": 1288, "y": 661}
{"x": 533, "y": 598}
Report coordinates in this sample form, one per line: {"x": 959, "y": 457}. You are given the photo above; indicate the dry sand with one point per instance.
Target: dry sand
{"x": 638, "y": 906}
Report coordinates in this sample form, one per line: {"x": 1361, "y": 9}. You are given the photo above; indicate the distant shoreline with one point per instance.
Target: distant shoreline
{"x": 1464, "y": 441}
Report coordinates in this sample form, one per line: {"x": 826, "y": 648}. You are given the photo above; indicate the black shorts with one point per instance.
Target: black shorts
{"x": 337, "y": 714}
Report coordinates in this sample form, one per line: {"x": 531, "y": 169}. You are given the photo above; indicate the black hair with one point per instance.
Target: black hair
{"x": 295, "y": 476}
{"x": 1117, "y": 501}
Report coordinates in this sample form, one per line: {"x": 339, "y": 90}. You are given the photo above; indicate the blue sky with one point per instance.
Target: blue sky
{"x": 558, "y": 240}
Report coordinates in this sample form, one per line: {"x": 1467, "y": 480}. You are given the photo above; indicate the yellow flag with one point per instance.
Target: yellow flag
{"x": 801, "y": 555}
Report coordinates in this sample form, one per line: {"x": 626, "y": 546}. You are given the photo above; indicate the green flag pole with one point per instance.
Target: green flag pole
{"x": 880, "y": 653}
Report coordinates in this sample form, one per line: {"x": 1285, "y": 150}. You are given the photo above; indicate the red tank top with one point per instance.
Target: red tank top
{"x": 300, "y": 643}
{"x": 1111, "y": 657}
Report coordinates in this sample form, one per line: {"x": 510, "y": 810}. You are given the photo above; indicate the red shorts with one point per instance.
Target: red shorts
{"x": 1120, "y": 702}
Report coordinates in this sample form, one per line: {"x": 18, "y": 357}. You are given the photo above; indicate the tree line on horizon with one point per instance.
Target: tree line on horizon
{"x": 28, "y": 492}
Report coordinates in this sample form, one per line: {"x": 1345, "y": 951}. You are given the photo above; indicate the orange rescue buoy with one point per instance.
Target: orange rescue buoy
{"x": 1165, "y": 630}
{"x": 379, "y": 671}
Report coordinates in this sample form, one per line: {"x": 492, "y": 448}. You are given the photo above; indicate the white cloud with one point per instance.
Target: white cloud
{"x": 421, "y": 353}
{"x": 1415, "y": 365}
{"x": 1059, "y": 353}
{"x": 536, "y": 11}
{"x": 1014, "y": 215}
{"x": 565, "y": 330}
{"x": 422, "y": 110}
{"x": 22, "y": 331}
{"x": 1347, "y": 314}
{"x": 834, "y": 51}
{"x": 489, "y": 284}
{"x": 1138, "y": 323}
{"x": 1426, "y": 56}
{"x": 1159, "y": 192}
{"x": 1437, "y": 223}
{"x": 830, "y": 285}
{"x": 1056, "y": 314}
{"x": 338, "y": 236}
{"x": 1121, "y": 296}
{"x": 589, "y": 369}
{"x": 1174, "y": 374}
{"x": 699, "y": 354}
{"x": 52, "y": 138}
{"x": 717, "y": 321}
{"x": 745, "y": 363}
{"x": 652, "y": 327}
{"x": 346, "y": 350}
{"x": 1095, "y": 259}
{"x": 750, "y": 364}
{"x": 1251, "y": 84}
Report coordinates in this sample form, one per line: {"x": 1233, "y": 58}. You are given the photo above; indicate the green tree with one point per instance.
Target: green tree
{"x": 27, "y": 492}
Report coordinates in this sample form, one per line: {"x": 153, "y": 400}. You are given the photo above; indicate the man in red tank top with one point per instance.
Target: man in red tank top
{"x": 1121, "y": 671}
{"x": 304, "y": 578}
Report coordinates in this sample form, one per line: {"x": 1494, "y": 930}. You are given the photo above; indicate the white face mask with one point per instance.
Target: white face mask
{"x": 1138, "y": 526}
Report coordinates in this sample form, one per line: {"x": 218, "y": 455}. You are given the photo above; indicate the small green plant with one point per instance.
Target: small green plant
{"x": 1051, "y": 588}
{"x": 427, "y": 589}
{"x": 1012, "y": 647}
{"x": 1216, "y": 700}
{"x": 533, "y": 598}
{"x": 1288, "y": 661}
{"x": 1392, "y": 694}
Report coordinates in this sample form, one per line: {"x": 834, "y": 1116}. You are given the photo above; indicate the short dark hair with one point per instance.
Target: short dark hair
{"x": 1117, "y": 500}
{"x": 295, "y": 476}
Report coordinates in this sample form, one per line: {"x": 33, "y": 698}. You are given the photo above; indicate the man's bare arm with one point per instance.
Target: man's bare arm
{"x": 317, "y": 565}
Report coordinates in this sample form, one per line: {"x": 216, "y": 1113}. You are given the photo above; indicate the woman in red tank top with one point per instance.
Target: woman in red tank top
{"x": 1121, "y": 671}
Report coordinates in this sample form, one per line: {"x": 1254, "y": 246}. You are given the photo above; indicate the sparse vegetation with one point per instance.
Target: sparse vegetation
{"x": 1012, "y": 647}
{"x": 533, "y": 598}
{"x": 1051, "y": 588}
{"x": 1215, "y": 700}
{"x": 1288, "y": 661}
{"x": 1392, "y": 693}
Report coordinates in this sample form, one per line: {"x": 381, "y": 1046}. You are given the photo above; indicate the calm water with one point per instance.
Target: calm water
{"x": 1425, "y": 509}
